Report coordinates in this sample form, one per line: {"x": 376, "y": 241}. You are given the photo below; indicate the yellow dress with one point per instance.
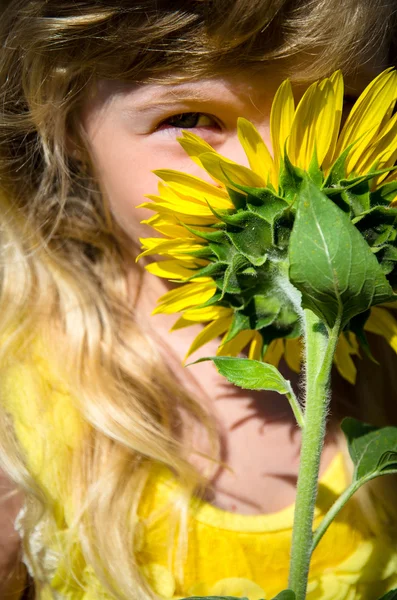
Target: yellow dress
{"x": 228, "y": 554}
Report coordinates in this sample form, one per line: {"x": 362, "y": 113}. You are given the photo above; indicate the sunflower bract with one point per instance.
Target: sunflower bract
{"x": 227, "y": 244}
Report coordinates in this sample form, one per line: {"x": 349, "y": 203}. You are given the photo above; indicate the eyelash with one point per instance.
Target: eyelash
{"x": 166, "y": 126}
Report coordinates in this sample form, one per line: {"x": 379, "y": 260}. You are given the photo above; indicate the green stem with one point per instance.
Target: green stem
{"x": 296, "y": 408}
{"x": 333, "y": 511}
{"x": 339, "y": 504}
{"x": 320, "y": 350}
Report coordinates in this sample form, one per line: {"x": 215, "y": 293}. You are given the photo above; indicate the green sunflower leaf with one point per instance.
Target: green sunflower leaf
{"x": 373, "y": 450}
{"x": 338, "y": 169}
{"x": 264, "y": 202}
{"x": 356, "y": 325}
{"x": 392, "y": 595}
{"x": 251, "y": 236}
{"x": 377, "y": 215}
{"x": 239, "y": 323}
{"x": 290, "y": 179}
{"x": 357, "y": 197}
{"x": 384, "y": 194}
{"x": 315, "y": 173}
{"x": 285, "y": 595}
{"x": 252, "y": 374}
{"x": 231, "y": 283}
{"x": 331, "y": 264}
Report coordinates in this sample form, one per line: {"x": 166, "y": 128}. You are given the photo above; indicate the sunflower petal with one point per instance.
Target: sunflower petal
{"x": 301, "y": 141}
{"x": 327, "y": 121}
{"x": 237, "y": 344}
{"x": 180, "y": 205}
{"x": 382, "y": 322}
{"x": 343, "y": 360}
{"x": 293, "y": 353}
{"x": 337, "y": 83}
{"x": 162, "y": 246}
{"x": 167, "y": 210}
{"x": 281, "y": 118}
{"x": 169, "y": 226}
{"x": 191, "y": 185}
{"x": 186, "y": 296}
{"x": 314, "y": 119}
{"x": 367, "y": 116}
{"x": 227, "y": 171}
{"x": 194, "y": 146}
{"x": 383, "y": 151}
{"x": 210, "y": 332}
{"x": 171, "y": 269}
{"x": 274, "y": 352}
{"x": 256, "y": 150}
{"x": 202, "y": 315}
{"x": 256, "y": 346}
{"x": 207, "y": 313}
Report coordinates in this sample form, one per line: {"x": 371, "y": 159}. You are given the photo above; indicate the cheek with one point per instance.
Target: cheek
{"x": 124, "y": 166}
{"x": 124, "y": 172}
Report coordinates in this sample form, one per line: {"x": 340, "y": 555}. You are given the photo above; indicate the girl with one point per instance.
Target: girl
{"x": 138, "y": 478}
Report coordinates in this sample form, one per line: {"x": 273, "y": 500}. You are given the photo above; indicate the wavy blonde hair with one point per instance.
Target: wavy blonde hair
{"x": 62, "y": 272}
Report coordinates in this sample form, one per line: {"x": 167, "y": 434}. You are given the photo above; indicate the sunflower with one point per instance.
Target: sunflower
{"x": 226, "y": 243}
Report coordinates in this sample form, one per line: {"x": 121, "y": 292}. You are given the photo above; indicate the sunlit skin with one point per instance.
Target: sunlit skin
{"x": 131, "y": 131}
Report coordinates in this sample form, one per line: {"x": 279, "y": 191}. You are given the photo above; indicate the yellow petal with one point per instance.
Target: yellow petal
{"x": 300, "y": 144}
{"x": 214, "y": 200}
{"x": 313, "y": 122}
{"x": 237, "y": 344}
{"x": 256, "y": 346}
{"x": 256, "y": 150}
{"x": 179, "y": 205}
{"x": 210, "y": 332}
{"x": 194, "y": 146}
{"x": 367, "y": 116}
{"x": 274, "y": 352}
{"x": 168, "y": 211}
{"x": 193, "y": 187}
{"x": 169, "y": 226}
{"x": 382, "y": 322}
{"x": 171, "y": 269}
{"x": 186, "y": 296}
{"x": 343, "y": 360}
{"x": 336, "y": 80}
{"x": 281, "y": 117}
{"x": 208, "y": 313}
{"x": 382, "y": 151}
{"x": 225, "y": 171}
{"x": 171, "y": 247}
{"x": 325, "y": 134}
{"x": 201, "y": 315}
{"x": 293, "y": 353}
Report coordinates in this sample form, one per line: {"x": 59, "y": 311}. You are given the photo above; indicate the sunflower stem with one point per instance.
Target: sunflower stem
{"x": 320, "y": 345}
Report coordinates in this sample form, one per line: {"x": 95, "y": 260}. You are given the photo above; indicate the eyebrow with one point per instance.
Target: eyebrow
{"x": 169, "y": 95}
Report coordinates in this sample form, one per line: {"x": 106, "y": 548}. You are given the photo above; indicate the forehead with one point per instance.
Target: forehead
{"x": 256, "y": 87}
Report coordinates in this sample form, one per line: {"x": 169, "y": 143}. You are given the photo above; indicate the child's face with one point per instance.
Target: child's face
{"x": 132, "y": 130}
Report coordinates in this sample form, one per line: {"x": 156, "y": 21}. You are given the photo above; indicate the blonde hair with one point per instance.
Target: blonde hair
{"x": 62, "y": 272}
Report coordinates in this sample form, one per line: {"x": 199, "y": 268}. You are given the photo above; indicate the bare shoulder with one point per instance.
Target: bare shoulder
{"x": 12, "y": 571}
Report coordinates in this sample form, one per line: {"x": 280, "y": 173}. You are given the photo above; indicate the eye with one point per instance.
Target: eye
{"x": 188, "y": 120}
